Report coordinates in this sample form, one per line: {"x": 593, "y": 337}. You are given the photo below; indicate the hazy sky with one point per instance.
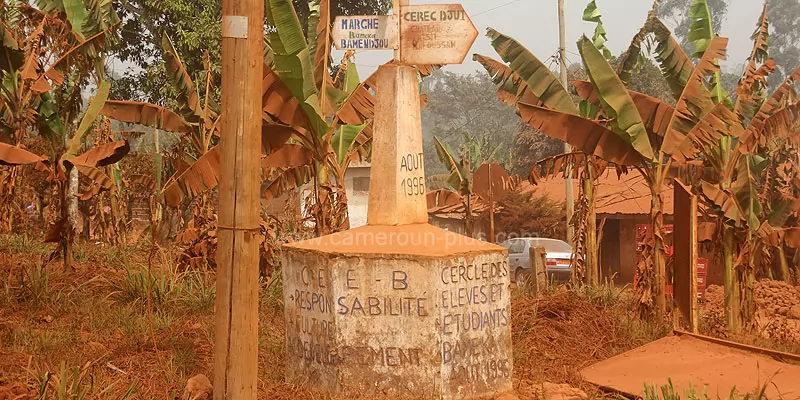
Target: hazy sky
{"x": 535, "y": 24}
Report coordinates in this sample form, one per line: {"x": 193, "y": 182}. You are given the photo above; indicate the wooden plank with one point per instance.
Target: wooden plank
{"x": 777, "y": 355}
{"x": 685, "y": 258}
{"x": 692, "y": 360}
{"x": 366, "y": 32}
{"x": 435, "y": 34}
{"x": 236, "y": 318}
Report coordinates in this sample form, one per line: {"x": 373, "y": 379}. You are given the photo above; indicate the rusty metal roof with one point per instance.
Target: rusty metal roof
{"x": 625, "y": 195}
{"x": 457, "y": 211}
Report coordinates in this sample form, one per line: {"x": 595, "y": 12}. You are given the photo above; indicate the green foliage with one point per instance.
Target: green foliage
{"x": 463, "y": 108}
{"x": 678, "y": 11}
{"x": 165, "y": 289}
{"x": 614, "y": 98}
{"x": 592, "y": 14}
{"x": 76, "y": 383}
{"x": 668, "y": 392}
{"x": 91, "y": 114}
{"x": 541, "y": 81}
{"x": 701, "y": 30}
{"x": 194, "y": 27}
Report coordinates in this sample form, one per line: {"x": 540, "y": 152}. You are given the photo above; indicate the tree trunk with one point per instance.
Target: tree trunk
{"x": 659, "y": 254}
{"x": 469, "y": 227}
{"x": 592, "y": 270}
{"x": 342, "y": 203}
{"x": 9, "y": 179}
{"x": 748, "y": 304}
{"x": 68, "y": 232}
{"x": 786, "y": 276}
{"x": 732, "y": 293}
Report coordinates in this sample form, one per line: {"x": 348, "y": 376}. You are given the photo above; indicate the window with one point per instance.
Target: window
{"x": 361, "y": 184}
{"x": 517, "y": 247}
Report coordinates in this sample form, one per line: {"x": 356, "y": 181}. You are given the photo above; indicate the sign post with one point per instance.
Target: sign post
{"x": 382, "y": 309}
{"x": 418, "y": 34}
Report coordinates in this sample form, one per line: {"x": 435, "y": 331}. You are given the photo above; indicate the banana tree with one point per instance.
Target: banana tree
{"x": 629, "y": 131}
{"x": 461, "y": 169}
{"x": 742, "y": 184}
{"x": 40, "y": 51}
{"x": 513, "y": 87}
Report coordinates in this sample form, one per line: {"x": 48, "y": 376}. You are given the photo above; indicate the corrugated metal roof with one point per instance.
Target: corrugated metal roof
{"x": 457, "y": 211}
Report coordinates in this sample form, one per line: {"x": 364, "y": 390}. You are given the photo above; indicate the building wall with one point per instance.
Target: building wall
{"x": 610, "y": 250}
{"x": 357, "y": 185}
{"x": 619, "y": 252}
{"x": 456, "y": 225}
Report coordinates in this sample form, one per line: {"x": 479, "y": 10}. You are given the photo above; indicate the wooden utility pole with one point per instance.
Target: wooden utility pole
{"x": 236, "y": 315}
{"x": 562, "y": 62}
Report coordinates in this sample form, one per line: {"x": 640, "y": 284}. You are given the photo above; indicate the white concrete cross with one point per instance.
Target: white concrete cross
{"x": 419, "y": 34}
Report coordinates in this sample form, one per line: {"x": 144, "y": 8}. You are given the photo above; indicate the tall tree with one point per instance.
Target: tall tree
{"x": 462, "y": 106}
{"x": 679, "y": 12}
{"x": 194, "y": 26}
{"x": 784, "y": 39}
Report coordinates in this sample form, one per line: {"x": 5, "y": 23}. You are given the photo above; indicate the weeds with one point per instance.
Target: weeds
{"x": 40, "y": 341}
{"x": 668, "y": 392}
{"x": 24, "y": 245}
{"x": 76, "y": 384}
{"x": 190, "y": 290}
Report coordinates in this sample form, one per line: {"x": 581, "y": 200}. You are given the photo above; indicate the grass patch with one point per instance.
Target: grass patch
{"x": 192, "y": 291}
{"x": 77, "y": 383}
{"x": 23, "y": 244}
{"x": 668, "y": 392}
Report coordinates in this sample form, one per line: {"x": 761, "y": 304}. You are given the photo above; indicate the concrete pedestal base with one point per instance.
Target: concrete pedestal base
{"x": 408, "y": 310}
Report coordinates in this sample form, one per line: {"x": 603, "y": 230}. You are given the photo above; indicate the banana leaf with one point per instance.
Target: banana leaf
{"x": 746, "y": 190}
{"x": 145, "y": 114}
{"x": 288, "y": 179}
{"x": 701, "y": 33}
{"x": 654, "y": 113}
{"x": 76, "y": 14}
{"x": 584, "y": 134}
{"x": 319, "y": 44}
{"x": 187, "y": 97}
{"x": 100, "y": 182}
{"x": 540, "y": 80}
{"x": 592, "y": 14}
{"x": 13, "y": 155}
{"x": 288, "y": 156}
{"x": 616, "y": 103}
{"x": 349, "y": 138}
{"x": 696, "y": 100}
{"x": 457, "y": 172}
{"x": 100, "y": 156}
{"x": 511, "y": 89}
{"x": 293, "y": 62}
{"x": 91, "y": 114}
{"x": 566, "y": 165}
{"x": 202, "y": 175}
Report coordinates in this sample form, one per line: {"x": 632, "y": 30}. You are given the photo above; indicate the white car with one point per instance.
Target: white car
{"x": 559, "y": 256}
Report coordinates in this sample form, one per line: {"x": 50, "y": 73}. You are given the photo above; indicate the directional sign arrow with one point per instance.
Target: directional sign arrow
{"x": 365, "y": 32}
{"x": 435, "y": 34}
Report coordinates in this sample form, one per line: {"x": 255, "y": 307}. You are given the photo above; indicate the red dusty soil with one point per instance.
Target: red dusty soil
{"x": 692, "y": 362}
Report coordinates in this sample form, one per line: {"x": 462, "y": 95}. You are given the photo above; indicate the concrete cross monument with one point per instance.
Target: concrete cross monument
{"x": 398, "y": 306}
